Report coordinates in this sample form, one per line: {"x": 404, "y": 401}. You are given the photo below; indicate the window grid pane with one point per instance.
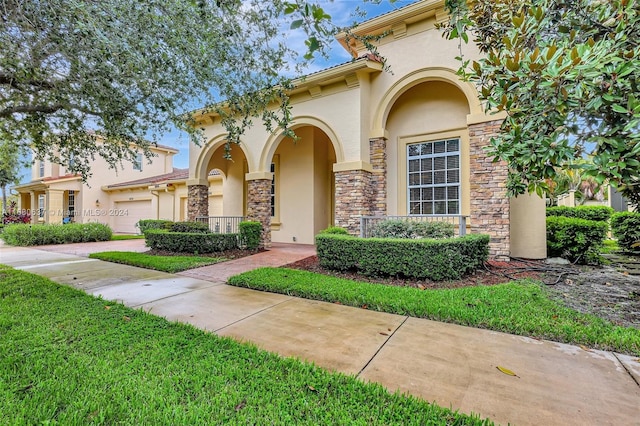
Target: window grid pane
{"x": 434, "y": 177}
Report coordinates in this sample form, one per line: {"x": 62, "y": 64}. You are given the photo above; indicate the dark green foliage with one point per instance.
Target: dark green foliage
{"x": 197, "y": 227}
{"x": 146, "y": 224}
{"x": 626, "y": 228}
{"x": 190, "y": 242}
{"x": 578, "y": 240}
{"x": 396, "y": 228}
{"x": 250, "y": 234}
{"x": 601, "y": 213}
{"x": 34, "y": 235}
{"x": 436, "y": 260}
{"x": 335, "y": 230}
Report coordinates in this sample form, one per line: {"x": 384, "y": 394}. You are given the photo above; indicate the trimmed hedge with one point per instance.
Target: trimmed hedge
{"x": 436, "y": 260}
{"x": 250, "y": 232}
{"x": 34, "y": 235}
{"x": 598, "y": 213}
{"x": 197, "y": 227}
{"x": 626, "y": 228}
{"x": 397, "y": 228}
{"x": 190, "y": 242}
{"x": 146, "y": 224}
{"x": 578, "y": 240}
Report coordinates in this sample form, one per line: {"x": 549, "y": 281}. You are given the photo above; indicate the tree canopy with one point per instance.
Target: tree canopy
{"x": 75, "y": 73}
{"x": 566, "y": 74}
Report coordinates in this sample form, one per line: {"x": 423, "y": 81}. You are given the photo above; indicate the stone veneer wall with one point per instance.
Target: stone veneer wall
{"x": 489, "y": 202}
{"x": 259, "y": 207}
{"x": 354, "y": 192}
{"x": 198, "y": 201}
{"x": 378, "y": 159}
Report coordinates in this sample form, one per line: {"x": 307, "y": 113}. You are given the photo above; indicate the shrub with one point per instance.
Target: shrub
{"x": 33, "y": 235}
{"x": 445, "y": 259}
{"x": 626, "y": 228}
{"x": 190, "y": 242}
{"x": 396, "y": 228}
{"x": 578, "y": 240}
{"x": 598, "y": 213}
{"x": 335, "y": 230}
{"x": 15, "y": 215}
{"x": 250, "y": 233}
{"x": 146, "y": 224}
{"x": 197, "y": 227}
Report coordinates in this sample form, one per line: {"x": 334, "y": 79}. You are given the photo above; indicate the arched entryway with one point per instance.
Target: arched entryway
{"x": 302, "y": 190}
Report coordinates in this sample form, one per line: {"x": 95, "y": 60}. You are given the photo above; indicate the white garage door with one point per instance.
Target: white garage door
{"x": 128, "y": 213}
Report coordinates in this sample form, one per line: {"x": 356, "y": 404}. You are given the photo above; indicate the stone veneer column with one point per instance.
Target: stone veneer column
{"x": 259, "y": 207}
{"x": 489, "y": 202}
{"x": 353, "y": 193}
{"x": 198, "y": 201}
{"x": 378, "y": 159}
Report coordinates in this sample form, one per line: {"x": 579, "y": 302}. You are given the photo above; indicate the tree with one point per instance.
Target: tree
{"x": 9, "y": 168}
{"x": 566, "y": 74}
{"x": 76, "y": 73}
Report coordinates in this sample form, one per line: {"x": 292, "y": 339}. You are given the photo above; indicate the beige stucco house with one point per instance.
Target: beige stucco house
{"x": 406, "y": 142}
{"x": 118, "y": 198}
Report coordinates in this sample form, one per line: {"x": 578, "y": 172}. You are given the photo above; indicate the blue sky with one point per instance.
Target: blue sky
{"x": 342, "y": 13}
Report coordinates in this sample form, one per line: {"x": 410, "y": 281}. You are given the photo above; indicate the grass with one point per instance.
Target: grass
{"x": 70, "y": 358}
{"x": 609, "y": 246}
{"x": 160, "y": 263}
{"x": 126, "y": 237}
{"x": 521, "y": 307}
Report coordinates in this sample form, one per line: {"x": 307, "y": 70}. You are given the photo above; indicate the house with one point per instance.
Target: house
{"x": 374, "y": 143}
{"x": 118, "y": 198}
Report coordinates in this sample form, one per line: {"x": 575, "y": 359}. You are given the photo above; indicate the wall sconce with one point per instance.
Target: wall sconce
{"x": 97, "y": 203}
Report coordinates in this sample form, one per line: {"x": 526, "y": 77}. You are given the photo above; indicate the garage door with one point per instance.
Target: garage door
{"x": 127, "y": 213}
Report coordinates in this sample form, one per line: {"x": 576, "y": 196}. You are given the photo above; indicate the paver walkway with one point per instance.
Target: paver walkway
{"x": 454, "y": 366}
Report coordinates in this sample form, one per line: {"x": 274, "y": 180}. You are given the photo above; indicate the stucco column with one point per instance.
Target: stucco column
{"x": 378, "y": 159}
{"x": 198, "y": 201}
{"x": 489, "y": 202}
{"x": 354, "y": 194}
{"x": 33, "y": 207}
{"x": 54, "y": 206}
{"x": 259, "y": 207}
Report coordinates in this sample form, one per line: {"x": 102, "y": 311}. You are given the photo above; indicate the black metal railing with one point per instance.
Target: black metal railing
{"x": 367, "y": 223}
{"x": 222, "y": 224}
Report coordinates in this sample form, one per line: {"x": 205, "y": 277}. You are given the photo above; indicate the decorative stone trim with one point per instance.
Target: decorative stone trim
{"x": 198, "y": 201}
{"x": 378, "y": 159}
{"x": 259, "y": 207}
{"x": 353, "y": 192}
{"x": 489, "y": 202}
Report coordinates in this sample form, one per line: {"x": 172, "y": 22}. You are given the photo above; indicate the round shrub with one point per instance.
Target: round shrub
{"x": 626, "y": 228}
{"x": 335, "y": 230}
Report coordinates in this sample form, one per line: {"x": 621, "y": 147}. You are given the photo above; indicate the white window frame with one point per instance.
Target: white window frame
{"x": 429, "y": 155}
{"x": 137, "y": 163}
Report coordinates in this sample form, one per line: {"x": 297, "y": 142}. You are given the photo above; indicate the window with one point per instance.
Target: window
{"x": 41, "y": 205}
{"x": 41, "y": 169}
{"x": 273, "y": 190}
{"x": 137, "y": 163}
{"x": 71, "y": 203}
{"x": 433, "y": 170}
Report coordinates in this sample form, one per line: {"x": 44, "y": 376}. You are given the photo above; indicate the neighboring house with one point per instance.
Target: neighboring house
{"x": 118, "y": 198}
{"x": 613, "y": 199}
{"x": 372, "y": 142}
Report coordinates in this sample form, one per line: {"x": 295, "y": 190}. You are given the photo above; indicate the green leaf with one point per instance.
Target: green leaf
{"x": 296, "y": 24}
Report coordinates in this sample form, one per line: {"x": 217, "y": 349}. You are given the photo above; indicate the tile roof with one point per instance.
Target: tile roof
{"x": 175, "y": 175}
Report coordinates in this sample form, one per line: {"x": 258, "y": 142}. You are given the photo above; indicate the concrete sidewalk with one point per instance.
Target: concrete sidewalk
{"x": 454, "y": 366}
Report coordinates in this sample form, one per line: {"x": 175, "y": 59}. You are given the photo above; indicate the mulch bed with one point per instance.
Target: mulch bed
{"x": 494, "y": 273}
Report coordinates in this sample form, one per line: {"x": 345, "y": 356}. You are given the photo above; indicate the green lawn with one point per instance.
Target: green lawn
{"x": 126, "y": 237}
{"x": 521, "y": 307}
{"x": 72, "y": 359}
{"x": 160, "y": 263}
